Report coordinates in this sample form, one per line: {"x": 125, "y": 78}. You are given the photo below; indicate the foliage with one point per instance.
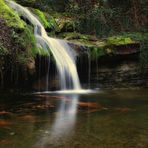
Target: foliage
{"x": 66, "y": 25}
{"x": 47, "y": 20}
{"x": 11, "y": 17}
{"x": 97, "y": 22}
{"x": 107, "y": 17}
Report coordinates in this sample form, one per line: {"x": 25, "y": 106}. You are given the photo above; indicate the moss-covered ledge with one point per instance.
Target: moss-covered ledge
{"x": 115, "y": 45}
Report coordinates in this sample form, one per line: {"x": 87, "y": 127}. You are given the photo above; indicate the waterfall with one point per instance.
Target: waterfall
{"x": 61, "y": 51}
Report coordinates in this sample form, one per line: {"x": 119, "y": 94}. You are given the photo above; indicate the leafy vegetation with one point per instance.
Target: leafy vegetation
{"x": 105, "y": 18}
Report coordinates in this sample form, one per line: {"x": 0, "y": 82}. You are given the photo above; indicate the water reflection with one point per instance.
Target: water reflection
{"x": 65, "y": 117}
{"x": 85, "y": 120}
{"x": 64, "y": 122}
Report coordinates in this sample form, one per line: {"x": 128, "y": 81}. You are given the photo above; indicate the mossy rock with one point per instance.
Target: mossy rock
{"x": 20, "y": 44}
{"x": 119, "y": 40}
{"x": 136, "y": 36}
{"x": 11, "y": 17}
{"x": 26, "y": 41}
{"x": 74, "y": 35}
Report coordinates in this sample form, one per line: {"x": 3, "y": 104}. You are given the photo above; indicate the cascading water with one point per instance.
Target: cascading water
{"x": 62, "y": 52}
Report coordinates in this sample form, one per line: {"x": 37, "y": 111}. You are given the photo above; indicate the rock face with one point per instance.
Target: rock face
{"x": 120, "y": 72}
{"x": 118, "y": 68}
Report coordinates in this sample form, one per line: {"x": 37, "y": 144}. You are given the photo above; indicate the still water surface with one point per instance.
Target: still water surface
{"x": 105, "y": 119}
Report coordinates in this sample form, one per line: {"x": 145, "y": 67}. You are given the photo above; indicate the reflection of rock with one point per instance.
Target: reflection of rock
{"x": 5, "y": 141}
{"x": 41, "y": 84}
{"x": 5, "y": 113}
{"x": 4, "y": 122}
{"x": 42, "y": 106}
{"x": 28, "y": 118}
{"x": 123, "y": 109}
{"x": 89, "y": 105}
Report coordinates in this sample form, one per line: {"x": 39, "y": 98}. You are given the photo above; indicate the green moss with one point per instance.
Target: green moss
{"x": 119, "y": 40}
{"x": 83, "y": 39}
{"x": 26, "y": 41}
{"x": 137, "y": 36}
{"x": 47, "y": 21}
{"x": 42, "y": 17}
{"x": 74, "y": 35}
{"x": 97, "y": 52}
{"x": 11, "y": 17}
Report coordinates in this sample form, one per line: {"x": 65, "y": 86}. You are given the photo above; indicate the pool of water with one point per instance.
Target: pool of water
{"x": 104, "y": 119}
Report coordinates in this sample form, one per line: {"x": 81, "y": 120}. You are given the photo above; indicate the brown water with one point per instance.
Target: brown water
{"x": 106, "y": 119}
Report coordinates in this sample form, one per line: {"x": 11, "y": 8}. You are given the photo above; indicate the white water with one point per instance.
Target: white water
{"x": 62, "y": 53}
{"x": 69, "y": 91}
